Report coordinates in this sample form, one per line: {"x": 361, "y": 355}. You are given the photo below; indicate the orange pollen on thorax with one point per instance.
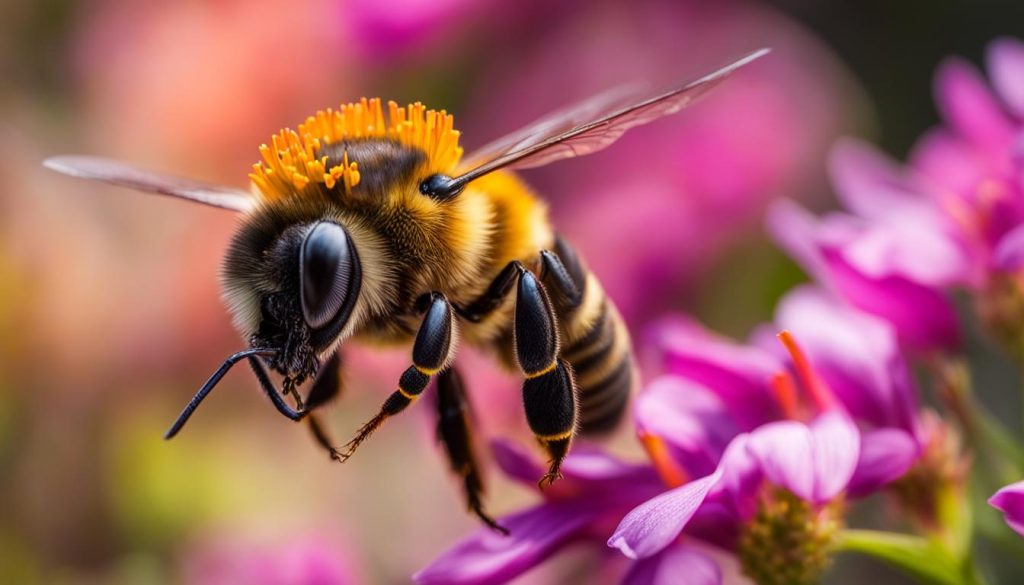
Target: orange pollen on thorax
{"x": 671, "y": 473}
{"x": 293, "y": 161}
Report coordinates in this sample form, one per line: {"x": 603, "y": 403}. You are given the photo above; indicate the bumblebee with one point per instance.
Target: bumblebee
{"x": 367, "y": 223}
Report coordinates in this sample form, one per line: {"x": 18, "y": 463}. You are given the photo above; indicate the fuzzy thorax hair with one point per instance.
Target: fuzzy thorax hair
{"x": 294, "y": 159}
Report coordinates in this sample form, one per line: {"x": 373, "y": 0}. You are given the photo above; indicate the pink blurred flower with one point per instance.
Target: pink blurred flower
{"x": 651, "y": 212}
{"x": 388, "y": 28}
{"x": 953, "y": 218}
{"x": 1010, "y": 501}
{"x": 309, "y": 560}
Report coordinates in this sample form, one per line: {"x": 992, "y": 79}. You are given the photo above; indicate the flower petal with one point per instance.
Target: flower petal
{"x": 679, "y": 565}
{"x": 856, "y": 354}
{"x": 516, "y": 462}
{"x": 874, "y": 186}
{"x": 969, "y": 107}
{"x": 653, "y": 525}
{"x": 691, "y": 419}
{"x": 487, "y": 557}
{"x": 836, "y": 444}
{"x": 1010, "y": 500}
{"x": 1009, "y": 252}
{"x": 1005, "y": 60}
{"x": 885, "y": 455}
{"x": 736, "y": 373}
{"x": 785, "y": 452}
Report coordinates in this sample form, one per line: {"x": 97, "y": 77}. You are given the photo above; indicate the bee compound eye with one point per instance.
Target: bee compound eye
{"x": 327, "y": 270}
{"x": 439, "y": 187}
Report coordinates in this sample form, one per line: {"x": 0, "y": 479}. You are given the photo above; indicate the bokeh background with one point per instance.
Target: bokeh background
{"x": 109, "y": 308}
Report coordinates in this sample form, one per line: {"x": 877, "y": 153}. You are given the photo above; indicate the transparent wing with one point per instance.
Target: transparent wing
{"x": 557, "y": 122}
{"x": 124, "y": 175}
{"x": 591, "y": 125}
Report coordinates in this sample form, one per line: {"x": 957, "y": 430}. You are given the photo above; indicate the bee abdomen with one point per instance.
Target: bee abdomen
{"x": 602, "y": 357}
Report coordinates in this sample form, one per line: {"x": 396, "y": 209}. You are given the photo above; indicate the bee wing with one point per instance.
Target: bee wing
{"x": 124, "y": 175}
{"x": 591, "y": 125}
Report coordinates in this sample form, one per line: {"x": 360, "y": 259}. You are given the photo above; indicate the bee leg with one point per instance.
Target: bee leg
{"x": 492, "y": 297}
{"x": 549, "y": 392}
{"x": 431, "y": 352}
{"x": 561, "y": 273}
{"x": 325, "y": 387}
{"x": 454, "y": 431}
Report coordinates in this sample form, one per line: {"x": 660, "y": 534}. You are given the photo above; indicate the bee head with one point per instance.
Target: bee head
{"x": 293, "y": 293}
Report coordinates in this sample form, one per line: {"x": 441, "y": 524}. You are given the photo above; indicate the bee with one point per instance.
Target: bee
{"x": 367, "y": 223}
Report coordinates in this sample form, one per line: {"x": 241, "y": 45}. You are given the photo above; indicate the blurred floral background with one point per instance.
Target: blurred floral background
{"x": 110, "y": 314}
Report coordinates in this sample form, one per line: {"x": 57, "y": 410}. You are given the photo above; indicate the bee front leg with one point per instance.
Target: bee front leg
{"x": 431, "y": 353}
{"x": 549, "y": 391}
{"x": 326, "y": 387}
{"x": 455, "y": 432}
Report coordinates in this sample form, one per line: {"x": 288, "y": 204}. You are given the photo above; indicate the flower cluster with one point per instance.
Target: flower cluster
{"x": 757, "y": 451}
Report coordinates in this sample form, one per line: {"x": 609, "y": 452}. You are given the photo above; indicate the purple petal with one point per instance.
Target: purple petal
{"x": 855, "y": 353}
{"x": 653, "y": 525}
{"x": 487, "y": 557}
{"x": 679, "y": 565}
{"x": 814, "y": 462}
{"x": 737, "y": 374}
{"x": 874, "y": 186}
{"x": 1006, "y": 69}
{"x": 1010, "y": 501}
{"x": 691, "y": 419}
{"x": 1009, "y": 252}
{"x": 785, "y": 452}
{"x": 586, "y": 468}
{"x": 969, "y": 107}
{"x": 516, "y": 462}
{"x": 795, "y": 230}
{"x": 836, "y": 443}
{"x": 741, "y": 476}
{"x": 885, "y": 455}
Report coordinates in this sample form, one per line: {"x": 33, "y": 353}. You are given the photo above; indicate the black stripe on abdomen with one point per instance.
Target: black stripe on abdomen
{"x": 602, "y": 360}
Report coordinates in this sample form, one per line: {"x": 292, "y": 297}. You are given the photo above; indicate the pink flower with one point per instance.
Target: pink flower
{"x": 300, "y": 561}
{"x": 1010, "y": 501}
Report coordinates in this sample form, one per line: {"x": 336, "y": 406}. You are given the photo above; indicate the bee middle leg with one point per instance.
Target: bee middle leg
{"x": 431, "y": 352}
{"x": 455, "y": 432}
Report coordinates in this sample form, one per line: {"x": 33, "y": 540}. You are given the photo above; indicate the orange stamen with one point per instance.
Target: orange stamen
{"x": 819, "y": 391}
{"x": 668, "y": 470}
{"x": 784, "y": 388}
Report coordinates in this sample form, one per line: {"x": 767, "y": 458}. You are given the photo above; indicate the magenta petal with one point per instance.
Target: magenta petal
{"x": 874, "y": 186}
{"x": 1010, "y": 500}
{"x": 785, "y": 452}
{"x": 836, "y": 443}
{"x": 795, "y": 230}
{"x": 487, "y": 557}
{"x": 969, "y": 107}
{"x": 653, "y": 525}
{"x": 1006, "y": 69}
{"x": 736, "y": 373}
{"x": 516, "y": 462}
{"x": 679, "y": 565}
{"x": 1009, "y": 253}
{"x": 857, "y": 355}
{"x": 885, "y": 455}
{"x": 693, "y": 421}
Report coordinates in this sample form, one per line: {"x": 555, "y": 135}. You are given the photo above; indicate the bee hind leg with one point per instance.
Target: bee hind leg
{"x": 431, "y": 353}
{"x": 454, "y": 431}
{"x": 549, "y": 391}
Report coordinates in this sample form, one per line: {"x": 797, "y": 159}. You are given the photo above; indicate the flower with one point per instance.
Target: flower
{"x": 1010, "y": 501}
{"x": 953, "y": 217}
{"x": 765, "y": 460}
{"x": 595, "y": 492}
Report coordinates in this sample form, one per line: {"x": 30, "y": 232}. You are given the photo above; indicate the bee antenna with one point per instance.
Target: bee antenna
{"x": 212, "y": 382}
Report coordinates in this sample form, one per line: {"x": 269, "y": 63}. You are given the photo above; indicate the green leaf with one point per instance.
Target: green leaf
{"x": 925, "y": 560}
